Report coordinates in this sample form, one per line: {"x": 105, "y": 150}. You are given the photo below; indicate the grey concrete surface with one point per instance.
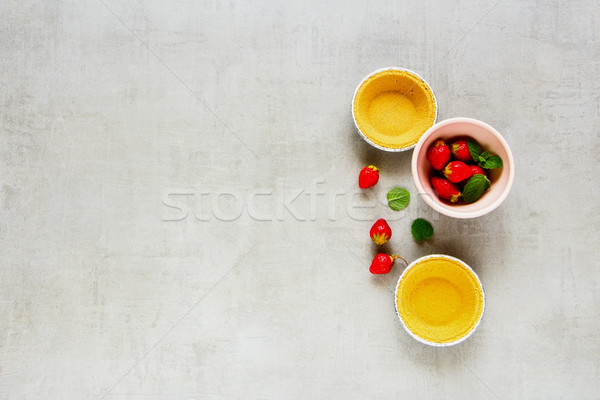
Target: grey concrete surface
{"x": 152, "y": 245}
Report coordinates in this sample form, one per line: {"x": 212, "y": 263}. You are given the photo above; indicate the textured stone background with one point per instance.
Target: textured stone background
{"x": 149, "y": 155}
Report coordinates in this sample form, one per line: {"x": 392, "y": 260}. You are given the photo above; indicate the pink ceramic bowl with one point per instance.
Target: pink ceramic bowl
{"x": 489, "y": 139}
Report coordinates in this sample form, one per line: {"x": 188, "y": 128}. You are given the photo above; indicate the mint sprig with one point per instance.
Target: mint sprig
{"x": 493, "y": 162}
{"x": 483, "y": 156}
{"x": 475, "y": 187}
{"x": 421, "y": 229}
{"x": 484, "y": 159}
{"x": 474, "y": 149}
{"x": 398, "y": 198}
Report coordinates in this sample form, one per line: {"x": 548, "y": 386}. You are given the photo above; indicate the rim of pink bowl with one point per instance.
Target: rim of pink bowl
{"x": 463, "y": 214}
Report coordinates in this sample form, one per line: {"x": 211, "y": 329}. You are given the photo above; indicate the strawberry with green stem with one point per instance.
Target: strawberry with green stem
{"x": 457, "y": 171}
{"x": 460, "y": 150}
{"x": 445, "y": 189}
{"x": 438, "y": 154}
{"x": 382, "y": 263}
{"x": 369, "y": 176}
{"x": 380, "y": 232}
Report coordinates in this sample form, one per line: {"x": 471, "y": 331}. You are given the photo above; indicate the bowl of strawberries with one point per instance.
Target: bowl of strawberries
{"x": 463, "y": 168}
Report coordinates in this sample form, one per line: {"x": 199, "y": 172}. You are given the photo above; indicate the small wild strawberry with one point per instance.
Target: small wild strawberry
{"x": 457, "y": 171}
{"x": 380, "y": 231}
{"x": 445, "y": 189}
{"x": 438, "y": 154}
{"x": 460, "y": 150}
{"x": 382, "y": 263}
{"x": 368, "y": 177}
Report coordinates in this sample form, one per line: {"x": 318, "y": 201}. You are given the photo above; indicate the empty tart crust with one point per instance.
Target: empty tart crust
{"x": 440, "y": 300}
{"x": 392, "y": 108}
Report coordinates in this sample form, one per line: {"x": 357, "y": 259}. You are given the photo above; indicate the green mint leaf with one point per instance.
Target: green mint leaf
{"x": 483, "y": 158}
{"x": 421, "y": 229}
{"x": 475, "y": 188}
{"x": 474, "y": 149}
{"x": 398, "y": 198}
{"x": 493, "y": 162}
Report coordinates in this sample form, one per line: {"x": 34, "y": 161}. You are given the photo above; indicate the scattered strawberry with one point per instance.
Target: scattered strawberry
{"x": 476, "y": 169}
{"x": 445, "y": 189}
{"x": 457, "y": 171}
{"x": 380, "y": 231}
{"x": 438, "y": 154}
{"x": 368, "y": 177}
{"x": 382, "y": 263}
{"x": 460, "y": 150}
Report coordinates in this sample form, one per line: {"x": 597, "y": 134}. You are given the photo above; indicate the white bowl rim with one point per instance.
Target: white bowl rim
{"x": 427, "y": 342}
{"x": 458, "y": 214}
{"x": 391, "y": 69}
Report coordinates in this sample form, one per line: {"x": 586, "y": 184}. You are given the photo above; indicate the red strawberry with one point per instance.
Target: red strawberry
{"x": 382, "y": 263}
{"x": 457, "y": 171}
{"x": 380, "y": 231}
{"x": 438, "y": 154}
{"x": 445, "y": 189}
{"x": 460, "y": 150}
{"x": 476, "y": 169}
{"x": 368, "y": 177}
